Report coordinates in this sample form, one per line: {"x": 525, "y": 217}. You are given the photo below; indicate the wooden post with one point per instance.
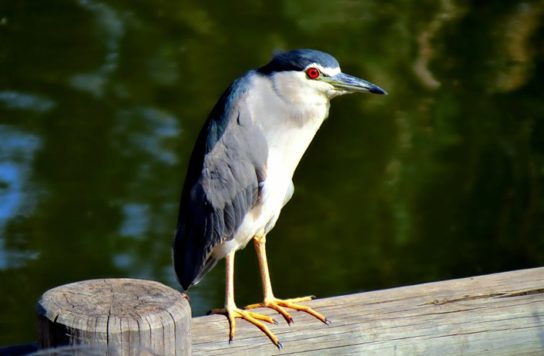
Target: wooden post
{"x": 118, "y": 316}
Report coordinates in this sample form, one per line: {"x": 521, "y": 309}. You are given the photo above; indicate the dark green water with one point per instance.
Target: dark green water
{"x": 101, "y": 101}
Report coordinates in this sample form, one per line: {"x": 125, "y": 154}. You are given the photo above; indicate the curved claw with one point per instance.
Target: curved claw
{"x": 254, "y": 318}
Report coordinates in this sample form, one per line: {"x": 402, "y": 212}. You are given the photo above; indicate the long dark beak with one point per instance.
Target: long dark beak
{"x": 352, "y": 84}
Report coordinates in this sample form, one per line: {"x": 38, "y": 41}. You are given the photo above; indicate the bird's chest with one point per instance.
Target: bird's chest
{"x": 286, "y": 147}
{"x": 288, "y": 138}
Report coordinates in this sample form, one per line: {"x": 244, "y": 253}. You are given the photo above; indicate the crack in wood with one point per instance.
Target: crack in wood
{"x": 462, "y": 299}
{"x": 521, "y": 293}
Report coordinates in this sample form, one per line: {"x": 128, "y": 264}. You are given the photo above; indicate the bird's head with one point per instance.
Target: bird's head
{"x": 303, "y": 73}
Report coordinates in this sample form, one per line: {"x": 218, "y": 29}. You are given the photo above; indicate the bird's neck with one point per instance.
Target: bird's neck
{"x": 289, "y": 120}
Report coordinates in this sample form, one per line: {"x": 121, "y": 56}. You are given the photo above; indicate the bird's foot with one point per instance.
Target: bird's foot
{"x": 233, "y": 313}
{"x": 279, "y": 305}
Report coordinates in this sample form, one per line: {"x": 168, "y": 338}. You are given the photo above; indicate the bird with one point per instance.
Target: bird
{"x": 240, "y": 172}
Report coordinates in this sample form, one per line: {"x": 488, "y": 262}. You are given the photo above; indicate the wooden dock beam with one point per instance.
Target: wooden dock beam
{"x": 498, "y": 314}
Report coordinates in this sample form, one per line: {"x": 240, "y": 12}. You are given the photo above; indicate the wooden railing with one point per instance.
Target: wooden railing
{"x": 498, "y": 314}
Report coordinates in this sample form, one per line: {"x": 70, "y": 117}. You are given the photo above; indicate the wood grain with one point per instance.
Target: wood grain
{"x": 499, "y": 314}
{"x": 120, "y": 316}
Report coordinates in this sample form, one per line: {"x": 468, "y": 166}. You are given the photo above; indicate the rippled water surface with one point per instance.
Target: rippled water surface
{"x": 101, "y": 102}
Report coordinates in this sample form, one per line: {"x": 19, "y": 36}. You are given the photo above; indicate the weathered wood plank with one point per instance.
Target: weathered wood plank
{"x": 499, "y": 314}
{"x": 118, "y": 316}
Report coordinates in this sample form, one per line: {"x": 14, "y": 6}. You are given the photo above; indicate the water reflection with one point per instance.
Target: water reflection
{"x": 109, "y": 29}
{"x": 136, "y": 220}
{"x": 517, "y": 62}
{"x": 101, "y": 101}
{"x": 24, "y": 101}
{"x": 17, "y": 195}
{"x": 150, "y": 129}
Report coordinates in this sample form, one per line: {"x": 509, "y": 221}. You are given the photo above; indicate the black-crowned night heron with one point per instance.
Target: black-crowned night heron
{"x": 240, "y": 172}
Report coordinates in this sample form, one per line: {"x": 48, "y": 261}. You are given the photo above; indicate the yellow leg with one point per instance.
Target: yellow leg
{"x": 233, "y": 312}
{"x": 272, "y": 302}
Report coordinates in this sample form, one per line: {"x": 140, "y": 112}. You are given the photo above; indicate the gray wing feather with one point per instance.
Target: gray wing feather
{"x": 222, "y": 184}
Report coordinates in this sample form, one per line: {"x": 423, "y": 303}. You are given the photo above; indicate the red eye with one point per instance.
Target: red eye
{"x": 312, "y": 73}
